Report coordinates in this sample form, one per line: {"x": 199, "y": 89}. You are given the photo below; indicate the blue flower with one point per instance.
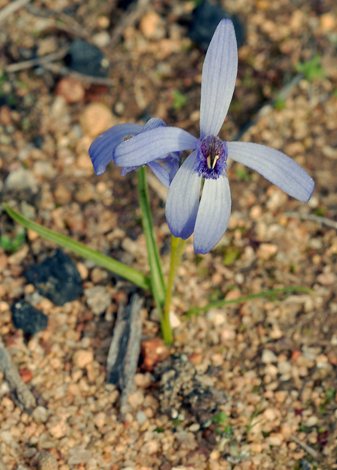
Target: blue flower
{"x": 102, "y": 149}
{"x": 208, "y": 216}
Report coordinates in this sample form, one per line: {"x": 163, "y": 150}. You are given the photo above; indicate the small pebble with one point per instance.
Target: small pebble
{"x": 312, "y": 421}
{"x": 18, "y": 257}
{"x": 83, "y": 270}
{"x": 6, "y": 437}
{"x": 136, "y": 399}
{"x": 153, "y": 351}
{"x": 174, "y": 320}
{"x": 327, "y": 279}
{"x": 119, "y": 108}
{"x": 194, "y": 427}
{"x": 227, "y": 334}
{"x": 72, "y": 90}
{"x": 270, "y": 414}
{"x": 152, "y": 26}
{"x": 266, "y": 251}
{"x": 101, "y": 39}
{"x": 20, "y": 179}
{"x": 284, "y": 367}
{"x": 57, "y": 427}
{"x": 44, "y": 169}
{"x": 143, "y": 380}
{"x": 26, "y": 375}
{"x": 92, "y": 464}
{"x": 40, "y": 414}
{"x": 28, "y": 318}
{"x": 274, "y": 440}
{"x": 46, "y": 461}
{"x": 100, "y": 419}
{"x": 28, "y": 453}
{"x": 268, "y": 356}
{"x": 78, "y": 455}
{"x": 95, "y": 119}
{"x": 82, "y": 358}
{"x": 87, "y": 59}
{"x": 56, "y": 278}
{"x": 98, "y": 298}
{"x": 206, "y": 17}
{"x": 151, "y": 447}
{"x": 217, "y": 317}
{"x": 141, "y": 417}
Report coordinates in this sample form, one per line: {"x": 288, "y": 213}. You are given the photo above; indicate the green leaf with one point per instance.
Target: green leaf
{"x": 6, "y": 242}
{"x": 156, "y": 275}
{"x": 221, "y": 418}
{"x": 254, "y": 415}
{"x": 232, "y": 254}
{"x": 330, "y": 394}
{"x": 106, "y": 262}
{"x": 311, "y": 69}
{"x": 279, "y": 103}
{"x": 243, "y": 174}
{"x": 270, "y": 293}
{"x": 179, "y": 100}
{"x": 13, "y": 244}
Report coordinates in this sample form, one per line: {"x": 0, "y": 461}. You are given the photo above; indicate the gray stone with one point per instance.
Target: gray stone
{"x": 21, "y": 179}
{"x": 98, "y": 299}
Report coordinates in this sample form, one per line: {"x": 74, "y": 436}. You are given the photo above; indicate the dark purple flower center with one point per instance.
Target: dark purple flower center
{"x": 212, "y": 156}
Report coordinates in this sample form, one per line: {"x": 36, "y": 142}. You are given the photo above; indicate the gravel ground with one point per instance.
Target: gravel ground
{"x": 249, "y": 386}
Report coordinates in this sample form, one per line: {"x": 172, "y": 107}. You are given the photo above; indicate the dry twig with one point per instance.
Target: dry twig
{"x": 27, "y": 64}
{"x": 132, "y": 15}
{"x": 65, "y": 72}
{"x": 309, "y": 450}
{"x": 46, "y": 63}
{"x": 11, "y": 8}
{"x": 313, "y": 218}
{"x": 14, "y": 380}
{"x": 63, "y": 21}
{"x": 124, "y": 350}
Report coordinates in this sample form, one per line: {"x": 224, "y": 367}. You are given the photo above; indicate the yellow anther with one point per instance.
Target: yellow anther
{"x": 216, "y": 158}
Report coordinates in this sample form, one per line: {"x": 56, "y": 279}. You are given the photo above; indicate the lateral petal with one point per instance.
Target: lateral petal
{"x": 183, "y": 199}
{"x": 161, "y": 173}
{"x": 213, "y": 214}
{"x": 153, "y": 144}
{"x": 275, "y": 166}
{"x": 101, "y": 150}
{"x": 218, "y": 78}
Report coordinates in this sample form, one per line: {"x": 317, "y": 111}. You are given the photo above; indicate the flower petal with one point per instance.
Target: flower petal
{"x": 171, "y": 165}
{"x": 153, "y": 123}
{"x": 275, "y": 166}
{"x": 101, "y": 150}
{"x": 218, "y": 78}
{"x": 161, "y": 173}
{"x": 213, "y": 214}
{"x": 183, "y": 199}
{"x": 153, "y": 144}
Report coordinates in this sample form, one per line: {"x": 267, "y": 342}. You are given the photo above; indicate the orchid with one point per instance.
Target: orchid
{"x": 208, "y": 216}
{"x": 199, "y": 199}
{"x": 102, "y": 149}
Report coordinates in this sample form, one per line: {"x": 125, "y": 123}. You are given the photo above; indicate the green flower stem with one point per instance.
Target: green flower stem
{"x": 177, "y": 249}
{"x": 106, "y": 262}
{"x": 156, "y": 274}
